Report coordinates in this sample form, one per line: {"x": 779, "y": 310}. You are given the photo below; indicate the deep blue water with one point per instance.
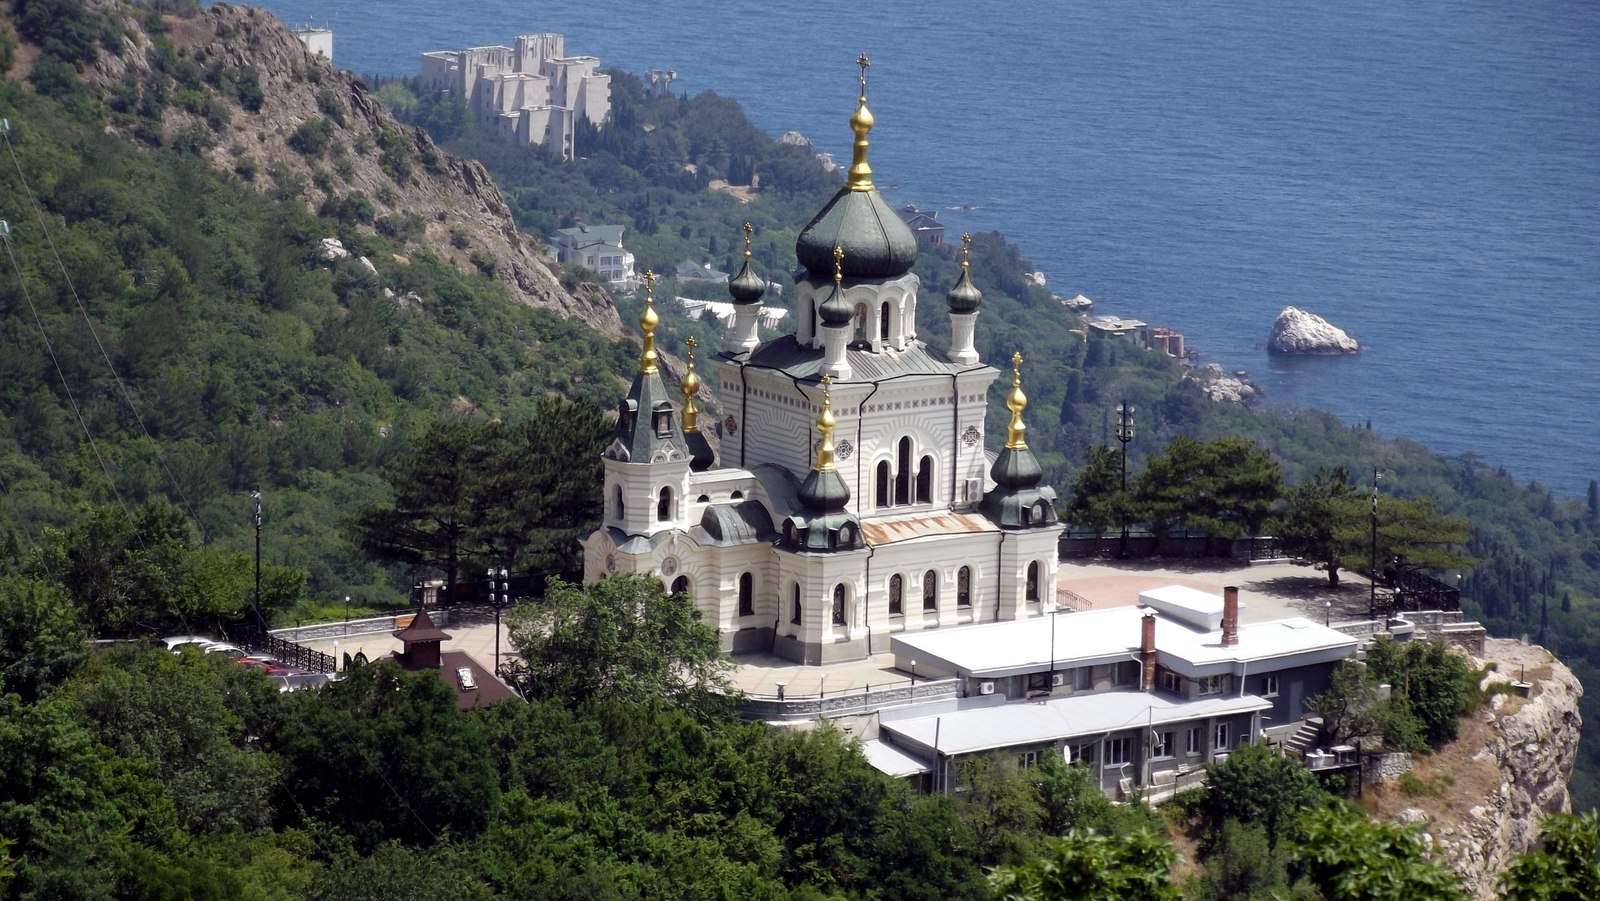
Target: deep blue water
{"x": 1425, "y": 174}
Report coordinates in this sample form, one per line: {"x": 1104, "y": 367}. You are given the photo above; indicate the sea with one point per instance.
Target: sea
{"x": 1425, "y": 175}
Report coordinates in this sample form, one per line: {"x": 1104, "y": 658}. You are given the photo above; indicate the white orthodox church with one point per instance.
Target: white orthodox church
{"x": 854, "y": 498}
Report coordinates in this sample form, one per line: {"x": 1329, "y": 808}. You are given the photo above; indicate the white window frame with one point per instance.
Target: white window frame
{"x": 1027, "y": 760}
{"x": 1269, "y": 686}
{"x": 1118, "y": 751}
{"x": 1171, "y": 681}
{"x": 1211, "y": 685}
{"x": 1220, "y": 736}
{"x": 1162, "y": 748}
{"x": 1194, "y": 741}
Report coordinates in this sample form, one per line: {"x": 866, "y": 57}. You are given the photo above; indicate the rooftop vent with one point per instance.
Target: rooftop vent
{"x": 464, "y": 676}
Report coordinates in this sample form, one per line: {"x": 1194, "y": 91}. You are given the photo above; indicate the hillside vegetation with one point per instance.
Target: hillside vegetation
{"x": 173, "y": 330}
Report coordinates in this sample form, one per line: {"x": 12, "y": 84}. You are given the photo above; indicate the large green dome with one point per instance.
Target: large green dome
{"x": 876, "y": 242}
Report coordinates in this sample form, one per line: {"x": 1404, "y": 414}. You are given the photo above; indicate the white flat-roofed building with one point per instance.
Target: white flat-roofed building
{"x": 531, "y": 93}
{"x": 1131, "y": 736}
{"x": 1181, "y": 658}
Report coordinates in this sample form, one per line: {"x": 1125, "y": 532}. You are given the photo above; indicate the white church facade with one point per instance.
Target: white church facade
{"x": 855, "y": 497}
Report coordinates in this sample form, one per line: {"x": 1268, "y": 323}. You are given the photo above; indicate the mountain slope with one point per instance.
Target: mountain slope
{"x": 283, "y": 96}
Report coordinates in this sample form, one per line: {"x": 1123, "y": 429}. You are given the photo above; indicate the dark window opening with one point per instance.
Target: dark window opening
{"x": 664, "y": 505}
{"x": 964, "y": 587}
{"x": 930, "y": 590}
{"x": 902, "y": 478}
{"x": 1033, "y": 581}
{"x": 838, "y": 605}
{"x": 925, "y": 481}
{"x": 883, "y": 484}
{"x": 897, "y": 595}
{"x": 747, "y": 594}
{"x": 794, "y": 610}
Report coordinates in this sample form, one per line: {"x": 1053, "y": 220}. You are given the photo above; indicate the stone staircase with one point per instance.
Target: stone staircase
{"x": 1305, "y": 738}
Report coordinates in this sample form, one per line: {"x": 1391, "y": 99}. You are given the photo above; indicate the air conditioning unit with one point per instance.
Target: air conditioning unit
{"x": 974, "y": 491}
{"x": 985, "y": 688}
{"x": 1058, "y": 679}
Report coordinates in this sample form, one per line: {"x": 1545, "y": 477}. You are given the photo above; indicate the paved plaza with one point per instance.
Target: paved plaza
{"x": 1267, "y": 591}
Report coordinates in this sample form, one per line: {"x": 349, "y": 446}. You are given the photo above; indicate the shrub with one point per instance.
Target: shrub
{"x": 311, "y": 138}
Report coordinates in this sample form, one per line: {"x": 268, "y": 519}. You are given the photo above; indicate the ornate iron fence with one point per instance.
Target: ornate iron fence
{"x": 256, "y": 638}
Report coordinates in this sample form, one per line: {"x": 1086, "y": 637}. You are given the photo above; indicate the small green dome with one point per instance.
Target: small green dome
{"x": 835, "y": 310}
{"x": 965, "y": 296}
{"x": 877, "y": 243}
{"x": 747, "y": 287}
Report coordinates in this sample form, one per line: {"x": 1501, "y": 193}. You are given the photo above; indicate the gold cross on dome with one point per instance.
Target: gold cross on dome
{"x": 838, "y": 263}
{"x": 1016, "y": 358}
{"x": 966, "y": 248}
{"x": 863, "y": 62}
{"x": 748, "y": 230}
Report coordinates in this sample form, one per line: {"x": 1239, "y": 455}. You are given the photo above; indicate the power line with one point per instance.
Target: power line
{"x": 5, "y": 130}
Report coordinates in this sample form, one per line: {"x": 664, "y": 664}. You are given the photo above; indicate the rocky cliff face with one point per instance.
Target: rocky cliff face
{"x": 444, "y": 203}
{"x": 1507, "y": 770}
{"x": 1299, "y": 332}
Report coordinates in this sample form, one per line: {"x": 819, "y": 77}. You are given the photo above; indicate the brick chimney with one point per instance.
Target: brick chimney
{"x": 1147, "y": 652}
{"x": 1230, "y": 616}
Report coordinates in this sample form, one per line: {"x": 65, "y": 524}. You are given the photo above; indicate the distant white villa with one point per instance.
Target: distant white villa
{"x": 597, "y": 247}
{"x": 532, "y": 93}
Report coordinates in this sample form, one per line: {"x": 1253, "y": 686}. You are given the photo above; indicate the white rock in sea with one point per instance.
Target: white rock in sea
{"x": 1299, "y": 332}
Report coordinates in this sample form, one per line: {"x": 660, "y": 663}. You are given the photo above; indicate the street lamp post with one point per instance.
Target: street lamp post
{"x": 1372, "y": 553}
{"x": 256, "y": 496}
{"x": 499, "y": 597}
{"x": 1327, "y": 613}
{"x": 347, "y": 614}
{"x": 1124, "y": 435}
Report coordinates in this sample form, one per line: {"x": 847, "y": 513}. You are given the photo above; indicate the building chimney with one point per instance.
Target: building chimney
{"x": 1147, "y": 652}
{"x": 1230, "y": 616}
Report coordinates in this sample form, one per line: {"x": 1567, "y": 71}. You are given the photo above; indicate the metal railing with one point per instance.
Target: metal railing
{"x": 897, "y": 693}
{"x": 256, "y": 638}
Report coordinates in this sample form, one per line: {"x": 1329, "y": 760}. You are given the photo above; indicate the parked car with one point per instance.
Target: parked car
{"x": 303, "y": 681}
{"x": 231, "y": 651}
{"x": 175, "y": 643}
{"x": 270, "y": 666}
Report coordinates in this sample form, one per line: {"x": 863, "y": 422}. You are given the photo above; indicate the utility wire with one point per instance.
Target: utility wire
{"x": 5, "y": 130}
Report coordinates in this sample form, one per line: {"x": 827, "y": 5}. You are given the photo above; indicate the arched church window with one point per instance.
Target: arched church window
{"x": 1040, "y": 513}
{"x": 964, "y": 587}
{"x": 1033, "y": 580}
{"x": 747, "y": 594}
{"x": 616, "y": 501}
{"x": 664, "y": 505}
{"x": 883, "y": 484}
{"x": 883, "y": 323}
{"x": 680, "y": 585}
{"x": 838, "y": 604}
{"x": 737, "y": 496}
{"x": 703, "y": 499}
{"x": 897, "y": 594}
{"x": 794, "y": 609}
{"x": 902, "y": 478}
{"x": 925, "y": 481}
{"x": 930, "y": 590}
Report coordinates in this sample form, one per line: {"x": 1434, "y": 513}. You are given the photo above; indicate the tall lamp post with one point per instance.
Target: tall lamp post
{"x": 256, "y": 496}
{"x": 1124, "y": 435}
{"x": 1372, "y": 553}
{"x": 499, "y": 598}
